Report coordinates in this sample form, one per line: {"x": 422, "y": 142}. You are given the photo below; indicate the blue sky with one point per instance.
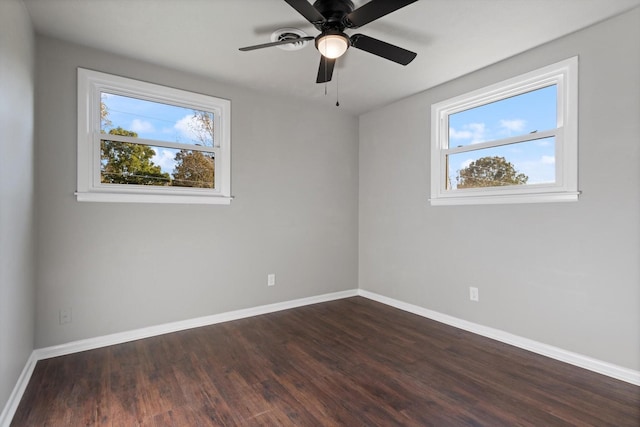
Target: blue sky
{"x": 153, "y": 120}
{"x": 519, "y": 115}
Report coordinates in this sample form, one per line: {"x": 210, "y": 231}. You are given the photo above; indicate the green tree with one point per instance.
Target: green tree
{"x": 128, "y": 163}
{"x": 490, "y": 172}
{"x": 194, "y": 169}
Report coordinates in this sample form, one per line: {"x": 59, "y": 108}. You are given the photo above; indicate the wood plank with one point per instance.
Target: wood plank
{"x": 346, "y": 362}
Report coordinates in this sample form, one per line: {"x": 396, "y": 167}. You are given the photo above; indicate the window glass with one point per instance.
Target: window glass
{"x": 127, "y": 163}
{"x": 529, "y": 112}
{"x": 139, "y": 164}
{"x": 194, "y": 169}
{"x": 133, "y": 163}
{"x": 157, "y": 121}
{"x": 515, "y": 141}
{"x": 525, "y": 163}
{"x": 139, "y": 142}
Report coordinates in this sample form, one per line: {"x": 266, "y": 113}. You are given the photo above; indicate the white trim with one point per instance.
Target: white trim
{"x": 103, "y": 196}
{"x": 502, "y": 199}
{"x": 563, "y": 74}
{"x": 487, "y": 144}
{"x": 153, "y": 142}
{"x": 90, "y": 85}
{"x": 151, "y": 331}
{"x": 576, "y": 359}
{"x": 11, "y": 406}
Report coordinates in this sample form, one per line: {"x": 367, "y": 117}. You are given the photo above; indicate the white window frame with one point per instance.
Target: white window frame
{"x": 90, "y": 86}
{"x": 564, "y": 74}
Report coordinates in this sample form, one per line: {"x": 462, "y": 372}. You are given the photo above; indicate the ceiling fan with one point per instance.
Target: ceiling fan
{"x": 331, "y": 18}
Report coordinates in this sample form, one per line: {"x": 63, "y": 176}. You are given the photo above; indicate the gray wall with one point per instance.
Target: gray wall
{"x": 125, "y": 266}
{"x": 16, "y": 193}
{"x": 572, "y": 282}
{"x": 562, "y": 274}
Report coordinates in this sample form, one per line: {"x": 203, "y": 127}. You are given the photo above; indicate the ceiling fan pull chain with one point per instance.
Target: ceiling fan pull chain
{"x": 326, "y": 82}
{"x": 337, "y": 87}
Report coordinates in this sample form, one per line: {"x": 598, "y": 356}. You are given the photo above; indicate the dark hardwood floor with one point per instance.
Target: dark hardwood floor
{"x": 352, "y": 362}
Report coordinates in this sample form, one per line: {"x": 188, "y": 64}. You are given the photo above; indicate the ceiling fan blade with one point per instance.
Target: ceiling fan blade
{"x": 382, "y": 49}
{"x": 325, "y": 70}
{"x": 373, "y": 10}
{"x": 305, "y": 9}
{"x": 260, "y": 46}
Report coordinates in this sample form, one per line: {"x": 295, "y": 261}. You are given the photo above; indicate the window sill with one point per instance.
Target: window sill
{"x": 151, "y": 198}
{"x": 505, "y": 199}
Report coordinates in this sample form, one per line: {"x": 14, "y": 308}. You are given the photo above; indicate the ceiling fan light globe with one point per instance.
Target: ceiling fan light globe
{"x": 332, "y": 45}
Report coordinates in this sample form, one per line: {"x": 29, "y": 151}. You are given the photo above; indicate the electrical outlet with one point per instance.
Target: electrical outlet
{"x": 65, "y": 315}
{"x": 474, "y": 294}
{"x": 271, "y": 279}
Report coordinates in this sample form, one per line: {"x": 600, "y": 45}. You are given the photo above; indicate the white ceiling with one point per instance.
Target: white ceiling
{"x": 451, "y": 37}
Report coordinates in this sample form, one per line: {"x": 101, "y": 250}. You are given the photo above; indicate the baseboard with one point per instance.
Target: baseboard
{"x": 137, "y": 334}
{"x": 18, "y": 390}
{"x": 576, "y": 359}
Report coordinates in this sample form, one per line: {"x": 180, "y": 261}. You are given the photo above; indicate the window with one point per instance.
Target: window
{"x": 141, "y": 142}
{"x": 512, "y": 142}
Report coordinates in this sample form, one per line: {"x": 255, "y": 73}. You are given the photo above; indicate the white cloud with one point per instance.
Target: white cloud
{"x": 190, "y": 130}
{"x": 185, "y": 126}
{"x": 548, "y": 160}
{"x": 539, "y": 171}
{"x": 459, "y": 134}
{"x": 472, "y": 131}
{"x": 479, "y": 130}
{"x": 141, "y": 126}
{"x": 516, "y": 125}
{"x": 543, "y": 142}
{"x": 476, "y": 127}
{"x": 164, "y": 159}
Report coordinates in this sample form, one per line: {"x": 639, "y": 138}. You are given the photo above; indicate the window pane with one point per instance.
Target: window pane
{"x": 529, "y": 112}
{"x": 531, "y": 162}
{"x": 193, "y": 169}
{"x": 128, "y": 163}
{"x": 154, "y": 120}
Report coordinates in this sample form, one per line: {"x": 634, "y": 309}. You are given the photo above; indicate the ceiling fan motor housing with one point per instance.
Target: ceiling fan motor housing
{"x": 335, "y": 12}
